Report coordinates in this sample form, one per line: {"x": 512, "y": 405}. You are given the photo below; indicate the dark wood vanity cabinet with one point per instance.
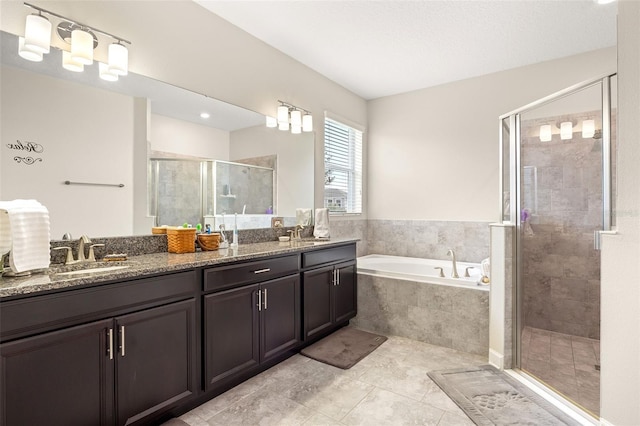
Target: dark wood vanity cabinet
{"x": 329, "y": 287}
{"x": 250, "y": 324}
{"x": 123, "y": 369}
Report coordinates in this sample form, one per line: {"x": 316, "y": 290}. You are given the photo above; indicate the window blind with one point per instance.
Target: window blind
{"x": 342, "y": 167}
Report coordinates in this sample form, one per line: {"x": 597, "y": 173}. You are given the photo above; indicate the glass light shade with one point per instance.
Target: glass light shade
{"x": 296, "y": 130}
{"x": 307, "y": 123}
{"x": 37, "y": 34}
{"x": 588, "y": 128}
{"x": 545, "y": 133}
{"x": 26, "y": 53}
{"x": 105, "y": 73}
{"x": 69, "y": 64}
{"x": 82, "y": 47}
{"x": 271, "y": 122}
{"x": 296, "y": 118}
{"x": 566, "y": 130}
{"x": 118, "y": 59}
{"x": 283, "y": 126}
{"x": 283, "y": 115}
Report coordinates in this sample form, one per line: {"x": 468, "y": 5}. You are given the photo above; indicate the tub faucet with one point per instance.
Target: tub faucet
{"x": 454, "y": 270}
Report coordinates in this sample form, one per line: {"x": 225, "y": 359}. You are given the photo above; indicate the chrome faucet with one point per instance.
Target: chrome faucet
{"x": 454, "y": 269}
{"x": 81, "y": 242}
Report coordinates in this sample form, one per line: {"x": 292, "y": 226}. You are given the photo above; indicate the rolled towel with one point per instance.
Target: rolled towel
{"x": 486, "y": 267}
{"x": 321, "y": 228}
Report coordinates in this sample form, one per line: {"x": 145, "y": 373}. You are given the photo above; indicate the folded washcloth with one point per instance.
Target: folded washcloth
{"x": 24, "y": 230}
{"x": 321, "y": 228}
{"x": 303, "y": 217}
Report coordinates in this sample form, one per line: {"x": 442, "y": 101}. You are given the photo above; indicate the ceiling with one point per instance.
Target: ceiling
{"x": 380, "y": 48}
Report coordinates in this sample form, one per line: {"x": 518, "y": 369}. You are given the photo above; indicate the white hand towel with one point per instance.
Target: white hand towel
{"x": 24, "y": 229}
{"x": 303, "y": 217}
{"x": 321, "y": 228}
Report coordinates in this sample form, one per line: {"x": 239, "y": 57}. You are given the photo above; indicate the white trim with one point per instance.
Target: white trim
{"x": 496, "y": 359}
{"x": 560, "y": 402}
{"x": 603, "y": 422}
{"x": 345, "y": 121}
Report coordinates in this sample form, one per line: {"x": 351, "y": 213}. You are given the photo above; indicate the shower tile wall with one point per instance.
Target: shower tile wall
{"x": 561, "y": 269}
{"x": 179, "y": 193}
{"x": 429, "y": 239}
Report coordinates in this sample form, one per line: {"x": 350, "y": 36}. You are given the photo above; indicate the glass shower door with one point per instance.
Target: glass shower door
{"x": 563, "y": 157}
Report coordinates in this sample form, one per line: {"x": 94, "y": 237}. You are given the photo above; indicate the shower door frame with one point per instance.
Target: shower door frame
{"x": 515, "y": 195}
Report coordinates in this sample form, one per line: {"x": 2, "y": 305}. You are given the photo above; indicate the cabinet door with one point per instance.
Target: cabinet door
{"x": 318, "y": 292}
{"x": 156, "y": 360}
{"x": 231, "y": 333}
{"x": 345, "y": 293}
{"x": 280, "y": 316}
{"x": 60, "y": 378}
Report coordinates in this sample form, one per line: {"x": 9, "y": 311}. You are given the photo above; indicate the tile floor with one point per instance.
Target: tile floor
{"x": 389, "y": 387}
{"x": 566, "y": 363}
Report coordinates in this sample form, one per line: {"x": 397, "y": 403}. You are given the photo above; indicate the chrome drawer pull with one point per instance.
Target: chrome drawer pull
{"x": 262, "y": 271}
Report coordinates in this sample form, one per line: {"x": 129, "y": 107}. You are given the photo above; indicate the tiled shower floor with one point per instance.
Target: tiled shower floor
{"x": 566, "y": 363}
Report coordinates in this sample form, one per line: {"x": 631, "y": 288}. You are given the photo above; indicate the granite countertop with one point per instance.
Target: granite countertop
{"x": 149, "y": 264}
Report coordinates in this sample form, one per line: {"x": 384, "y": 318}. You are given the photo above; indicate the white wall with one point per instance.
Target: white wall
{"x": 63, "y": 118}
{"x": 225, "y": 63}
{"x": 620, "y": 294}
{"x": 186, "y": 138}
{"x": 433, "y": 153}
{"x": 295, "y": 187}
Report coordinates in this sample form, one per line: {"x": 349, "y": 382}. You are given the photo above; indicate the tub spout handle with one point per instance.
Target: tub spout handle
{"x": 441, "y": 274}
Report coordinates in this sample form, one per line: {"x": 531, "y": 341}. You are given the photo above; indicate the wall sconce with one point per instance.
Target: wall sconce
{"x": 545, "y": 133}
{"x": 82, "y": 39}
{"x": 588, "y": 129}
{"x": 291, "y": 116}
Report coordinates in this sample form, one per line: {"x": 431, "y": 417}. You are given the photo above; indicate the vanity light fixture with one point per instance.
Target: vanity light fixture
{"x": 291, "y": 117}
{"x": 588, "y": 129}
{"x": 81, "y": 38}
{"x": 271, "y": 122}
{"x": 566, "y": 130}
{"x": 545, "y": 133}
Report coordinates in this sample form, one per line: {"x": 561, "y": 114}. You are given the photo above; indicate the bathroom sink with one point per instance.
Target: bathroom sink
{"x": 93, "y": 270}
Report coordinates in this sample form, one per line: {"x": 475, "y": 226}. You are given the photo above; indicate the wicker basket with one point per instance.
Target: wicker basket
{"x": 159, "y": 230}
{"x": 181, "y": 240}
{"x": 209, "y": 241}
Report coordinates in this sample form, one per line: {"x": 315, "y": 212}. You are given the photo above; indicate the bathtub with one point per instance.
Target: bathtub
{"x": 421, "y": 270}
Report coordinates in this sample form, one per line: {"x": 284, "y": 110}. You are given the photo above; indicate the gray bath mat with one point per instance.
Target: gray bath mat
{"x": 490, "y": 397}
{"x": 344, "y": 348}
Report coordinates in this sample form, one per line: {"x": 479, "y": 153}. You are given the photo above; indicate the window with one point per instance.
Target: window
{"x": 342, "y": 167}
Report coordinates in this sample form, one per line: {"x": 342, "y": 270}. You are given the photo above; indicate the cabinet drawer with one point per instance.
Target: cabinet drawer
{"x": 332, "y": 255}
{"x": 36, "y": 314}
{"x": 246, "y": 273}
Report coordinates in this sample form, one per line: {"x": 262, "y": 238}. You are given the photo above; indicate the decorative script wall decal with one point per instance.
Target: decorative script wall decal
{"x": 25, "y": 146}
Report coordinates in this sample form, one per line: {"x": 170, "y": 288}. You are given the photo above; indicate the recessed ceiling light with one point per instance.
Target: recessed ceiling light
{"x": 604, "y": 1}
{"x": 204, "y": 115}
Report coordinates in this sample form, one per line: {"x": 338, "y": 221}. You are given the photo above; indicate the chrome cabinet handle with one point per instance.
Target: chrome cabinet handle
{"x": 110, "y": 337}
{"x": 259, "y": 300}
{"x": 262, "y": 271}
{"x": 338, "y": 275}
{"x": 265, "y": 299}
{"x": 122, "y": 340}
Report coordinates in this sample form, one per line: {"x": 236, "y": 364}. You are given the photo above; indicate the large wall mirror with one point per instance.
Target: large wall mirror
{"x": 137, "y": 152}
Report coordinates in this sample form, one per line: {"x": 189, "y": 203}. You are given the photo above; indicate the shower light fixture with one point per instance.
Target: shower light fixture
{"x": 545, "y": 133}
{"x": 81, "y": 38}
{"x": 291, "y": 117}
{"x": 588, "y": 128}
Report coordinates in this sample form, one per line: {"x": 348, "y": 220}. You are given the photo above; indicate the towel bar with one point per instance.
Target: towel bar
{"x": 119, "y": 185}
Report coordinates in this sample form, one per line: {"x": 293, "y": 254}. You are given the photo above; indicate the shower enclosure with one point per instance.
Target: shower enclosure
{"x": 557, "y": 190}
